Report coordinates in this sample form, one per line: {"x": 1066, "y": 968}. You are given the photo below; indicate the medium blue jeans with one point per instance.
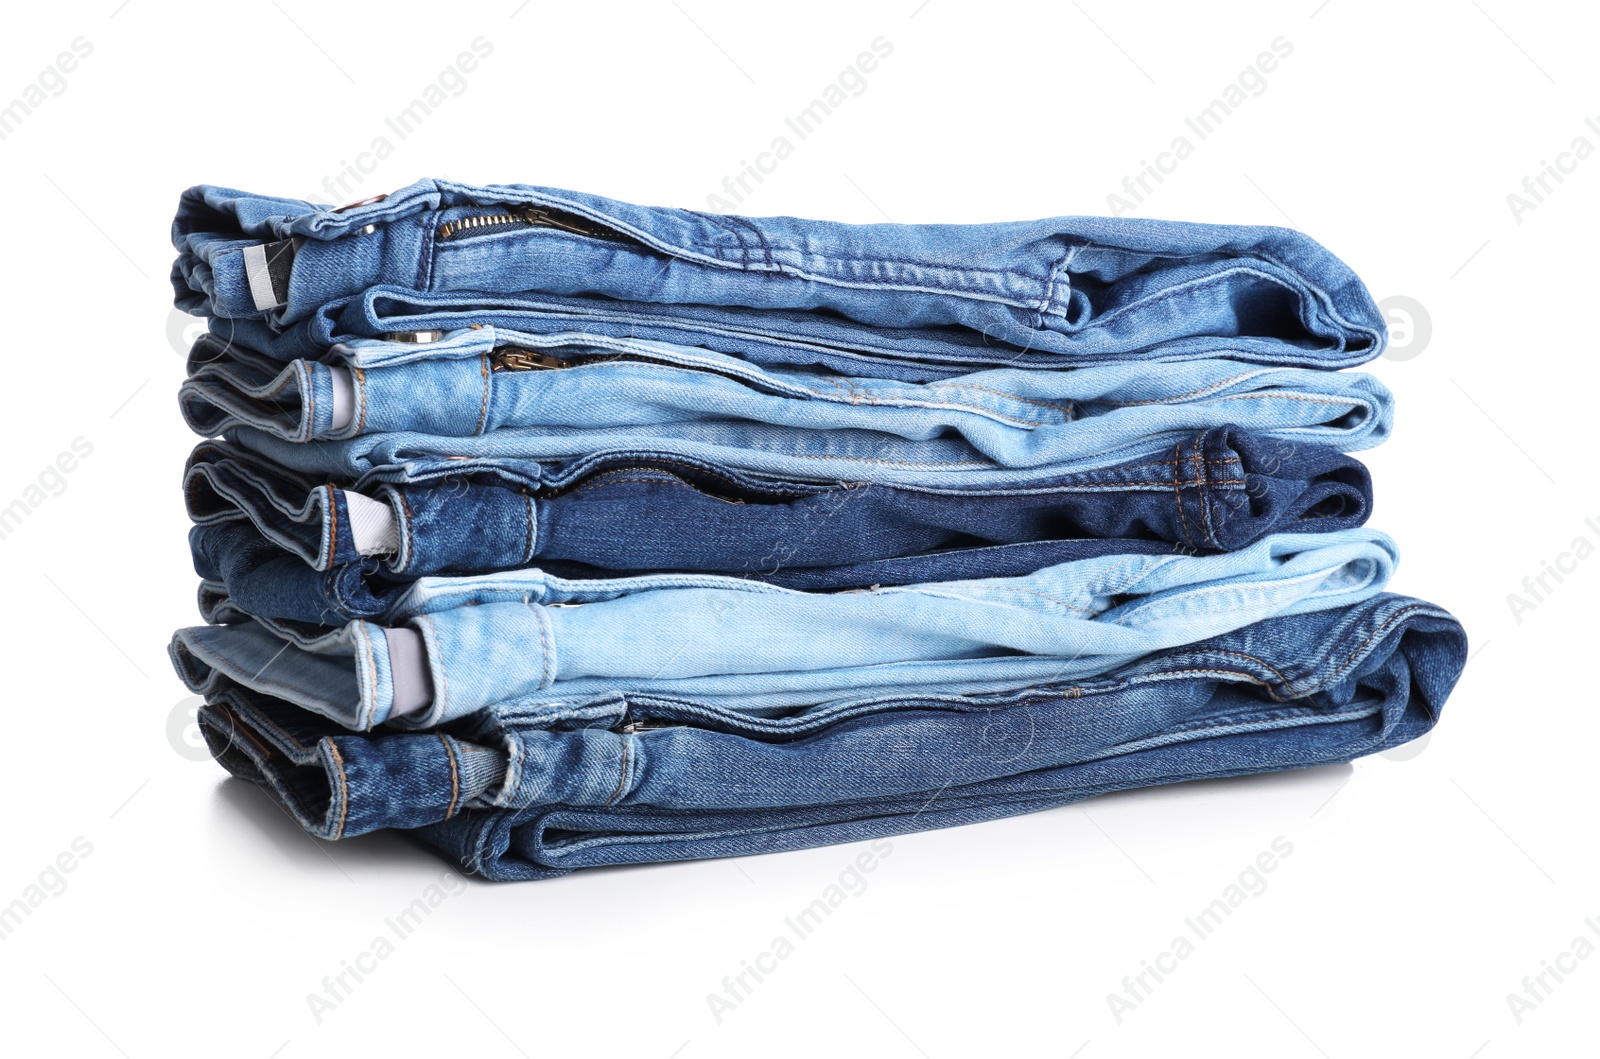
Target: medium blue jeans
{"x": 537, "y": 794}
{"x": 1082, "y": 289}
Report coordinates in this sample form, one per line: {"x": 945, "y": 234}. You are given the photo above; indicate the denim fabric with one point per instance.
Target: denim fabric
{"x": 476, "y": 382}
{"x": 808, "y": 341}
{"x": 1218, "y": 491}
{"x": 261, "y": 580}
{"x": 1134, "y": 414}
{"x": 1086, "y": 289}
{"x": 522, "y": 637}
{"x": 539, "y": 793}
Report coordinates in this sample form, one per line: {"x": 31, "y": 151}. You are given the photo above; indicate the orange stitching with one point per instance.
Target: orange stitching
{"x": 455, "y": 779}
{"x": 1205, "y": 502}
{"x": 344, "y": 787}
{"x": 627, "y": 744}
{"x": 333, "y": 526}
{"x": 273, "y": 725}
{"x": 405, "y": 506}
{"x": 1177, "y": 494}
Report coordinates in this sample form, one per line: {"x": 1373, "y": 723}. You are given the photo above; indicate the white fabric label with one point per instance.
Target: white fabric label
{"x": 344, "y": 397}
{"x": 372, "y": 524}
{"x": 408, "y": 672}
{"x": 255, "y": 270}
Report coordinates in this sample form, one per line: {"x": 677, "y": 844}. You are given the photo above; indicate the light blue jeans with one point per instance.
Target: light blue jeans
{"x": 1003, "y": 427}
{"x": 459, "y": 646}
{"x": 485, "y": 380}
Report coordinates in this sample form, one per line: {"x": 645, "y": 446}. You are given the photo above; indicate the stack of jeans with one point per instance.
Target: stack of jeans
{"x": 561, "y": 532}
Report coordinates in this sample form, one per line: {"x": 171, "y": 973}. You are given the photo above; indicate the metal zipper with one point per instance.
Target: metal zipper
{"x": 515, "y": 358}
{"x": 533, "y": 216}
{"x": 646, "y": 724}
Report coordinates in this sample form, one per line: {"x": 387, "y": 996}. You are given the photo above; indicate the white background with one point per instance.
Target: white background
{"x": 1419, "y": 893}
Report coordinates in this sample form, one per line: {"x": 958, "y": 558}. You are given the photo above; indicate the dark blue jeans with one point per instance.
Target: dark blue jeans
{"x": 1284, "y": 693}
{"x": 282, "y": 547}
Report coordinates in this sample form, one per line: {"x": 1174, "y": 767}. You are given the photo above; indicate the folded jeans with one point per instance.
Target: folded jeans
{"x": 651, "y": 779}
{"x": 1084, "y": 288}
{"x": 511, "y": 639}
{"x": 284, "y": 547}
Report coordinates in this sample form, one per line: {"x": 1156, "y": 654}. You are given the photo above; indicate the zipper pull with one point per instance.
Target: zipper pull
{"x": 543, "y": 217}
{"x": 515, "y": 358}
{"x": 645, "y": 724}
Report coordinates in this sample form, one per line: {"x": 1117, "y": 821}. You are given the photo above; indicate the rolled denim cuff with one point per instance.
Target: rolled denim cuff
{"x": 352, "y": 676}
{"x": 324, "y": 525}
{"x": 346, "y": 678}
{"x": 230, "y": 385}
{"x": 336, "y": 784}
